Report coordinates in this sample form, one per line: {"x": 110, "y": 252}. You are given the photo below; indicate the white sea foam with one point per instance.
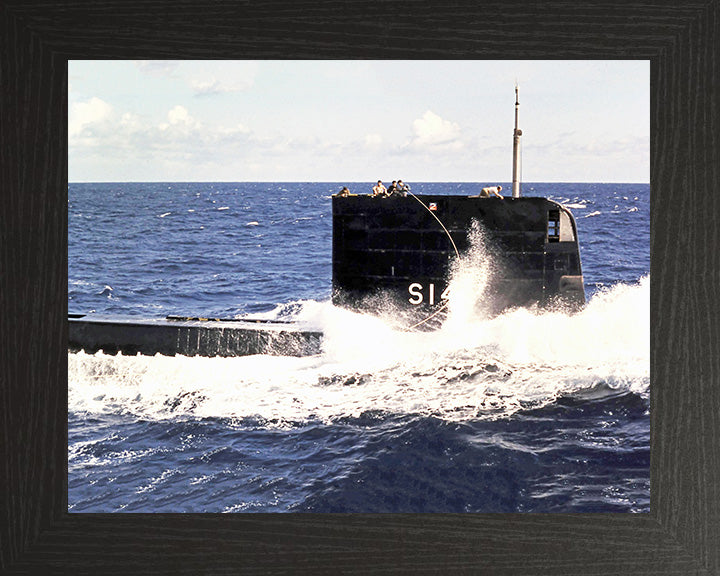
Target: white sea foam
{"x": 483, "y": 368}
{"x": 471, "y": 367}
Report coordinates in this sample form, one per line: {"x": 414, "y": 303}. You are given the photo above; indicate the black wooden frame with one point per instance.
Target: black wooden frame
{"x": 681, "y": 534}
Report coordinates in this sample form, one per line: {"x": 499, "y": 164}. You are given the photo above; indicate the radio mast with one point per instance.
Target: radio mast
{"x": 516, "y": 150}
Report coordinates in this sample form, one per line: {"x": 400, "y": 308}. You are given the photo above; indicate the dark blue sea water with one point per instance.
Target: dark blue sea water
{"x": 527, "y": 412}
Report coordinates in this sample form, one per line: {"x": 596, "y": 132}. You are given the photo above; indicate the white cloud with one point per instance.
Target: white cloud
{"x": 181, "y": 132}
{"x": 98, "y": 132}
{"x": 130, "y": 121}
{"x": 85, "y": 115}
{"x": 204, "y": 77}
{"x": 157, "y": 67}
{"x": 180, "y": 115}
{"x": 432, "y": 130}
{"x": 210, "y": 86}
{"x": 233, "y": 130}
{"x": 373, "y": 140}
{"x": 212, "y": 77}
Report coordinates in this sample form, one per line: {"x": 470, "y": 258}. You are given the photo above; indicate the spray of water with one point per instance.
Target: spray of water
{"x": 473, "y": 367}
{"x": 470, "y": 281}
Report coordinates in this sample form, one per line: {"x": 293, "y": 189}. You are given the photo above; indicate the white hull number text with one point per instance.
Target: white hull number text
{"x": 417, "y": 293}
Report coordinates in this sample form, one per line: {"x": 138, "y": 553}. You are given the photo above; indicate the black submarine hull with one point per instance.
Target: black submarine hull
{"x": 399, "y": 250}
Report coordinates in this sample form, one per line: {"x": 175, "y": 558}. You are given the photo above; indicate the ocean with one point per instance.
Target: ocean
{"x": 529, "y": 411}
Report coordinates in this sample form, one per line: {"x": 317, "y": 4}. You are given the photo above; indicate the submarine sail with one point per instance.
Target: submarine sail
{"x": 394, "y": 249}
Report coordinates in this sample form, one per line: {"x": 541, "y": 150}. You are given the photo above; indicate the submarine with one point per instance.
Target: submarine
{"x": 392, "y": 252}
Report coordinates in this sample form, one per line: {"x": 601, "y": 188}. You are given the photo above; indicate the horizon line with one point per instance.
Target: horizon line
{"x": 346, "y": 182}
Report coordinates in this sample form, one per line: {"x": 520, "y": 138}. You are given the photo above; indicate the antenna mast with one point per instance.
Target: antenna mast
{"x": 516, "y": 150}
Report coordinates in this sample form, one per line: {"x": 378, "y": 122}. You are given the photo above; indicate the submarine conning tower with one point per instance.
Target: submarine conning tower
{"x": 399, "y": 249}
{"x": 394, "y": 249}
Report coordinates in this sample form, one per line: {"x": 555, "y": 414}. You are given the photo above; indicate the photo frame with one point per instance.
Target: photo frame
{"x": 681, "y": 534}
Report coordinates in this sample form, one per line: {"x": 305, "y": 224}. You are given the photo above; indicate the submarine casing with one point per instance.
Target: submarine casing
{"x": 188, "y": 336}
{"x": 394, "y": 251}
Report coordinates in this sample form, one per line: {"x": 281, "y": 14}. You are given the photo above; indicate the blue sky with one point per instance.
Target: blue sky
{"x": 357, "y": 121}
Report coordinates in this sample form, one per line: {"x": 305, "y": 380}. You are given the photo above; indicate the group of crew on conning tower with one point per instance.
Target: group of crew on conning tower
{"x": 399, "y": 188}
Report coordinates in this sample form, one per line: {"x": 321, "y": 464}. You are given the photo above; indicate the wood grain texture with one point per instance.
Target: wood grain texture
{"x": 680, "y": 536}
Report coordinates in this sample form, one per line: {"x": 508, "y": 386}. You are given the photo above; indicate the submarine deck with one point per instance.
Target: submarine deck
{"x": 189, "y": 336}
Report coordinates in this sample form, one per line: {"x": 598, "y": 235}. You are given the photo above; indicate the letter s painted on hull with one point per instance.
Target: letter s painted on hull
{"x": 414, "y": 290}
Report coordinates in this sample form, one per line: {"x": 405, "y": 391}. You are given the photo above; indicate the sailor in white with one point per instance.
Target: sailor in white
{"x": 494, "y": 190}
